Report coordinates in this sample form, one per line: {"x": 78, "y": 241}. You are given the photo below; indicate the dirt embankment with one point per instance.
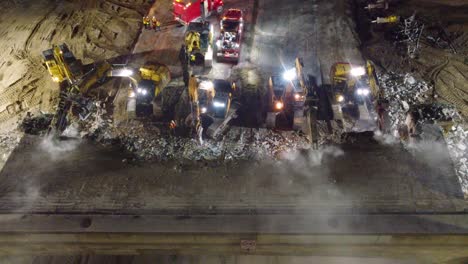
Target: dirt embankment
{"x": 442, "y": 56}
{"x": 94, "y": 30}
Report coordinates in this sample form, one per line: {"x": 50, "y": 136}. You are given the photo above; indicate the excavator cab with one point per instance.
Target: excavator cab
{"x": 287, "y": 96}
{"x": 52, "y": 66}
{"x": 61, "y": 63}
{"x": 350, "y": 84}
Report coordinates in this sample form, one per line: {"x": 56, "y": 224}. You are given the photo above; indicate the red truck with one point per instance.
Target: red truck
{"x": 228, "y": 45}
{"x": 186, "y": 11}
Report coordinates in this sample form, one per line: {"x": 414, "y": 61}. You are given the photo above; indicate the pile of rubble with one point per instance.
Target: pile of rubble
{"x": 404, "y": 92}
{"x": 237, "y": 144}
{"x": 36, "y": 125}
{"x": 149, "y": 142}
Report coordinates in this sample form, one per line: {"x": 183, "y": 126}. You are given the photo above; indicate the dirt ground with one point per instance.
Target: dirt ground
{"x": 94, "y": 30}
{"x": 442, "y": 63}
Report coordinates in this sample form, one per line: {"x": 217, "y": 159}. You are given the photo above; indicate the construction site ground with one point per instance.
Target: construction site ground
{"x": 142, "y": 182}
{"x": 363, "y": 175}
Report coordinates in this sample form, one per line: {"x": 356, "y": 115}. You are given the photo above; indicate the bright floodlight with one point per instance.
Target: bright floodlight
{"x": 340, "y": 98}
{"x": 279, "y": 105}
{"x": 358, "y": 71}
{"x": 207, "y": 85}
{"x": 290, "y": 75}
{"x": 126, "y": 72}
{"x": 219, "y": 104}
{"x": 363, "y": 91}
{"x": 203, "y": 110}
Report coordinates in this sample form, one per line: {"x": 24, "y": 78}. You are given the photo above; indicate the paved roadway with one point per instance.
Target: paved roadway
{"x": 370, "y": 177}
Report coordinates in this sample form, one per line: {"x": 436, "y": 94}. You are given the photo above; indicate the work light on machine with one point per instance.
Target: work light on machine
{"x": 126, "y": 72}
{"x": 279, "y": 105}
{"x": 203, "y": 110}
{"x": 206, "y": 85}
{"x": 298, "y": 97}
{"x": 363, "y": 91}
{"x": 219, "y": 104}
{"x": 142, "y": 91}
{"x": 290, "y": 75}
{"x": 358, "y": 71}
{"x": 340, "y": 98}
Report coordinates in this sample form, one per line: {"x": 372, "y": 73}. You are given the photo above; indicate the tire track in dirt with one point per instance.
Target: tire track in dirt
{"x": 36, "y": 28}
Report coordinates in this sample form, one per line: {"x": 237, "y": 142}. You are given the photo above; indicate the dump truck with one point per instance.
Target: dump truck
{"x": 77, "y": 80}
{"x": 187, "y": 11}
{"x": 228, "y": 45}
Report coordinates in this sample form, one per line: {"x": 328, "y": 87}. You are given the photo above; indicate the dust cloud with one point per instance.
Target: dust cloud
{"x": 58, "y": 148}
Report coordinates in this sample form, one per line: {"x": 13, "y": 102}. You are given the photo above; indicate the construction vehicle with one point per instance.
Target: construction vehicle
{"x": 199, "y": 45}
{"x": 215, "y": 97}
{"x": 75, "y": 86}
{"x": 186, "y": 11}
{"x": 210, "y": 106}
{"x": 386, "y": 20}
{"x": 228, "y": 45}
{"x": 286, "y": 97}
{"x": 354, "y": 90}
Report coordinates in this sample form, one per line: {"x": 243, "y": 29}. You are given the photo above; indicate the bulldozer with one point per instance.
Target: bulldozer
{"x": 76, "y": 81}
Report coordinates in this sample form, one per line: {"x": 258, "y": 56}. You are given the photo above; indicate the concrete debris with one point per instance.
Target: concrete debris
{"x": 402, "y": 94}
{"x": 446, "y": 118}
{"x": 36, "y": 125}
{"x": 148, "y": 143}
{"x": 238, "y": 144}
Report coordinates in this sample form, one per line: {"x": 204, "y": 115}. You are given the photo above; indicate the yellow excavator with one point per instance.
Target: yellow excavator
{"x": 147, "y": 81}
{"x": 353, "y": 88}
{"x": 286, "y": 97}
